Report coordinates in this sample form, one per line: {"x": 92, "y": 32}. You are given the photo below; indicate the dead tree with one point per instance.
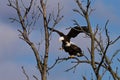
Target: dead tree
{"x": 98, "y": 47}
{"x": 27, "y": 17}
{"x": 98, "y": 44}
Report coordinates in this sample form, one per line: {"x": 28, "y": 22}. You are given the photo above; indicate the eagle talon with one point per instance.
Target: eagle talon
{"x": 71, "y": 56}
{"x": 80, "y": 54}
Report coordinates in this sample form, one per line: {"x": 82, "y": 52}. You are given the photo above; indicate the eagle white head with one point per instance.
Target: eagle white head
{"x": 61, "y": 38}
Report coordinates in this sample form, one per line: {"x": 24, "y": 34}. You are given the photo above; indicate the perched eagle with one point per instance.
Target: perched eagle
{"x": 68, "y": 46}
{"x": 72, "y": 49}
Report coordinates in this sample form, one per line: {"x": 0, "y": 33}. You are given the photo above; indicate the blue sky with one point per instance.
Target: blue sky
{"x": 15, "y": 53}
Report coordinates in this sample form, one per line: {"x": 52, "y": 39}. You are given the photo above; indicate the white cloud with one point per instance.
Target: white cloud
{"x": 8, "y": 38}
{"x": 10, "y": 45}
{"x": 8, "y": 35}
{"x": 10, "y": 71}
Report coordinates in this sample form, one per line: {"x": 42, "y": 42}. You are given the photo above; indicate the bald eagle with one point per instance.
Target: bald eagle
{"x": 72, "y": 49}
{"x": 68, "y": 46}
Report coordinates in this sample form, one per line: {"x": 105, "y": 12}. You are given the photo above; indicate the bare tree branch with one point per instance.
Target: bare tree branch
{"x": 27, "y": 10}
{"x": 14, "y": 19}
{"x": 72, "y": 68}
{"x": 77, "y": 11}
{"x": 112, "y": 42}
{"x": 12, "y": 4}
{"x": 105, "y": 49}
{"x": 58, "y": 17}
{"x": 35, "y": 77}
{"x": 26, "y": 75}
{"x": 58, "y": 60}
{"x": 84, "y": 78}
{"x": 80, "y": 6}
{"x": 117, "y": 51}
{"x": 24, "y": 31}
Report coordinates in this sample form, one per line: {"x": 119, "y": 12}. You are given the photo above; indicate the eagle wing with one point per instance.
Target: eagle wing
{"x": 54, "y": 30}
{"x": 76, "y": 48}
{"x": 76, "y": 30}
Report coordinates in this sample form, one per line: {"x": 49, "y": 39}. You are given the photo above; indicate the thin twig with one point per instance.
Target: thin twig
{"x": 26, "y": 75}
{"x": 59, "y": 60}
{"x": 35, "y": 77}
{"x": 104, "y": 53}
{"x": 115, "y": 40}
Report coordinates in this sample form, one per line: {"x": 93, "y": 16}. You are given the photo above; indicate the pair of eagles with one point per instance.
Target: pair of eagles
{"x": 67, "y": 45}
